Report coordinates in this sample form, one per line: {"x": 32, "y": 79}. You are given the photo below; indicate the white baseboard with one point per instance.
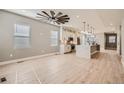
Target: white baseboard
{"x": 27, "y": 58}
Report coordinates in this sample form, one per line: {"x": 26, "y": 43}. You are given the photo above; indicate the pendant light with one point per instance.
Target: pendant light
{"x": 84, "y": 26}
{"x": 88, "y": 28}
{"x": 91, "y": 29}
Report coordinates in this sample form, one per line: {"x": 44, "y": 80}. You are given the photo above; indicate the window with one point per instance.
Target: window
{"x": 22, "y": 36}
{"x": 22, "y": 30}
{"x": 54, "y": 38}
{"x": 112, "y": 39}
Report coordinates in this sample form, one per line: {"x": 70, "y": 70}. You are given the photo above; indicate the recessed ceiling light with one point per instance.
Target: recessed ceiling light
{"x": 111, "y": 24}
{"x": 77, "y": 16}
{"x": 82, "y": 31}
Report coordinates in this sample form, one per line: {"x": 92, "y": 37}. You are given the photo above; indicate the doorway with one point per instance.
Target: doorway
{"x": 110, "y": 41}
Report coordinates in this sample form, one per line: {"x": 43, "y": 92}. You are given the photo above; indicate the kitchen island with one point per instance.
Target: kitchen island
{"x": 87, "y": 51}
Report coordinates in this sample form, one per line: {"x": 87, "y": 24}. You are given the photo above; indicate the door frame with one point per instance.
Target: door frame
{"x": 105, "y": 34}
{"x": 120, "y": 50}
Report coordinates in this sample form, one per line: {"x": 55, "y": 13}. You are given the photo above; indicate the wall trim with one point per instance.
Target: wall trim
{"x": 27, "y": 58}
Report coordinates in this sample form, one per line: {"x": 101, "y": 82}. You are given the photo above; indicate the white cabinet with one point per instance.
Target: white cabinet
{"x": 83, "y": 51}
{"x": 86, "y": 51}
{"x": 65, "y": 49}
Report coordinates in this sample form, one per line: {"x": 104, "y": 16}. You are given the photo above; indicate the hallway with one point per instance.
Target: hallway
{"x": 104, "y": 68}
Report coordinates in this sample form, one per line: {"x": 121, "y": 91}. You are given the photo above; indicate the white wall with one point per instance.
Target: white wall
{"x": 118, "y": 40}
{"x": 40, "y": 37}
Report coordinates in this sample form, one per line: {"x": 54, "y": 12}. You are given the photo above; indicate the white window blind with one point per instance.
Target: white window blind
{"x": 22, "y": 30}
{"x": 54, "y": 38}
{"x": 22, "y": 36}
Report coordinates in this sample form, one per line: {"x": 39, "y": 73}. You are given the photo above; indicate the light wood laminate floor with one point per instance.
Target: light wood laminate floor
{"x": 66, "y": 69}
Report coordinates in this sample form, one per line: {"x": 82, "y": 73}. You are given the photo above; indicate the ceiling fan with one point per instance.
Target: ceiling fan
{"x": 58, "y": 18}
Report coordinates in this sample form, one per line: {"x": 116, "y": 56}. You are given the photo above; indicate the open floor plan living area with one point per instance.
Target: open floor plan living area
{"x": 62, "y": 46}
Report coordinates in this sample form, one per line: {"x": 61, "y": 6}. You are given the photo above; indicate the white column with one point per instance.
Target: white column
{"x": 122, "y": 42}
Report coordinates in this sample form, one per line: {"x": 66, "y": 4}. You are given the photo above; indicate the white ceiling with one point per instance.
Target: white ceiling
{"x": 101, "y": 20}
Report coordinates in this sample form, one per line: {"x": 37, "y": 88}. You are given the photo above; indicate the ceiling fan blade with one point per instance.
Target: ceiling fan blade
{"x": 63, "y": 20}
{"x": 41, "y": 15}
{"x": 58, "y": 22}
{"x": 59, "y": 14}
{"x": 63, "y": 16}
{"x": 46, "y": 14}
{"x": 52, "y": 13}
{"x": 66, "y": 21}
